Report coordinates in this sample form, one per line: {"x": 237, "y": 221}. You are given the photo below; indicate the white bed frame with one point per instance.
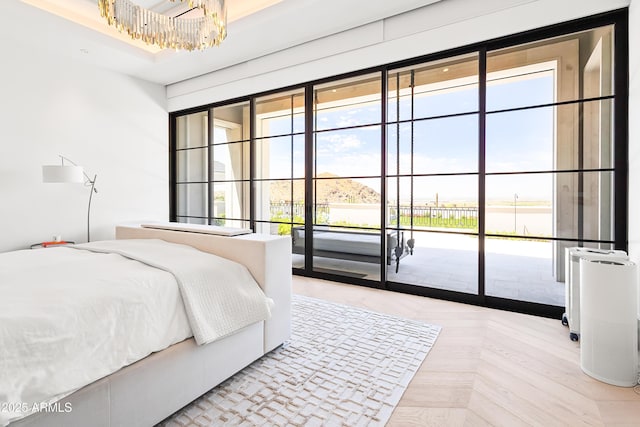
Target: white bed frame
{"x": 148, "y": 391}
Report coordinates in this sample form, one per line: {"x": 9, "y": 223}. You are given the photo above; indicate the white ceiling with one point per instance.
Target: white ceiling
{"x": 256, "y": 28}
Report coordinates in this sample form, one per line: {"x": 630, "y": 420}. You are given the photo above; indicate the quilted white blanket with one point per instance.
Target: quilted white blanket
{"x": 69, "y": 317}
{"x": 220, "y": 296}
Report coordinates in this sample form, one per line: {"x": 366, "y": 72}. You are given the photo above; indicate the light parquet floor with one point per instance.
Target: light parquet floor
{"x": 491, "y": 367}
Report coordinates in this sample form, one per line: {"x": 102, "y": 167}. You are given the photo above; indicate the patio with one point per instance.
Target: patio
{"x": 514, "y": 269}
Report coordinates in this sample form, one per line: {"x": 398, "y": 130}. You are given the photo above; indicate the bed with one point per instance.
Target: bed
{"x": 146, "y": 391}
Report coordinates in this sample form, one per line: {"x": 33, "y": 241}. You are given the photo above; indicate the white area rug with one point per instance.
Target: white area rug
{"x": 344, "y": 366}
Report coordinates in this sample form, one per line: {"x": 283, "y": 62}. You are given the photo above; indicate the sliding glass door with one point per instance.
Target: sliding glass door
{"x": 191, "y": 157}
{"x": 229, "y": 161}
{"x": 432, "y": 172}
{"x": 279, "y": 168}
{"x": 346, "y": 177}
{"x": 549, "y": 161}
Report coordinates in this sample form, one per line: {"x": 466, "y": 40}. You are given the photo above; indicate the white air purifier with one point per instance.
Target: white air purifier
{"x": 609, "y": 329}
{"x": 572, "y": 282}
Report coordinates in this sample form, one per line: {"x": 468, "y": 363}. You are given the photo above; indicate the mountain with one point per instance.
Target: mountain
{"x": 342, "y": 190}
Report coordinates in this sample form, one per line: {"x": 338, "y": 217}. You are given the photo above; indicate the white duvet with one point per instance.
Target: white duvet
{"x": 69, "y": 317}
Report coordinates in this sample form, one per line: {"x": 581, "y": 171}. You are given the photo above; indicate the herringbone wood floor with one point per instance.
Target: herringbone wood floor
{"x": 491, "y": 367}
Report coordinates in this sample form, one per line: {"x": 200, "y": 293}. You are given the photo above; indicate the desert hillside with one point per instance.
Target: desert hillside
{"x": 328, "y": 190}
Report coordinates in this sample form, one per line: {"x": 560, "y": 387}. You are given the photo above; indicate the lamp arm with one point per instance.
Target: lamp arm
{"x": 93, "y": 183}
{"x": 89, "y": 181}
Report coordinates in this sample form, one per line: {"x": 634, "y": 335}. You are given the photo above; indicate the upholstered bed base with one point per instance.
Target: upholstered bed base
{"x": 148, "y": 391}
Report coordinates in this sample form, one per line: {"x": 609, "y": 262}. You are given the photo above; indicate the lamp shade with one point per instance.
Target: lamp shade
{"x": 62, "y": 173}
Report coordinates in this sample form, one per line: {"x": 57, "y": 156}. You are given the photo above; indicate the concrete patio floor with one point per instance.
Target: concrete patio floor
{"x": 514, "y": 269}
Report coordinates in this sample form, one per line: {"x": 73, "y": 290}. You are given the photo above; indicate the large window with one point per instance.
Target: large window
{"x": 463, "y": 176}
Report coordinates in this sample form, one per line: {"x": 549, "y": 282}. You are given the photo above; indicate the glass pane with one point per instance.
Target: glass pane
{"x": 298, "y": 123}
{"x": 231, "y": 161}
{"x": 437, "y": 88}
{"x": 347, "y": 202}
{"x": 280, "y": 200}
{"x": 347, "y": 103}
{"x": 436, "y": 260}
{"x": 345, "y": 252}
{"x": 191, "y": 165}
{"x": 522, "y": 140}
{"x": 598, "y": 217}
{"x": 224, "y": 222}
{"x": 349, "y": 152}
{"x": 192, "y": 200}
{"x": 280, "y": 157}
{"x": 549, "y": 205}
{"x": 398, "y": 149}
{"x": 529, "y": 270}
{"x": 231, "y": 123}
{"x": 439, "y": 202}
{"x": 531, "y": 87}
{"x": 597, "y": 146}
{"x": 187, "y": 220}
{"x": 191, "y": 130}
{"x": 276, "y": 114}
{"x": 298, "y": 156}
{"x": 230, "y": 200}
{"x": 548, "y": 138}
{"x": 525, "y": 270}
{"x": 275, "y": 228}
{"x": 448, "y": 145}
{"x": 551, "y": 70}
{"x": 274, "y": 157}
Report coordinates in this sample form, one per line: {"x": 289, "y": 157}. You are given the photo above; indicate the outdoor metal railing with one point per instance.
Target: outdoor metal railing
{"x": 431, "y": 216}
{"x": 423, "y": 216}
{"x": 296, "y": 209}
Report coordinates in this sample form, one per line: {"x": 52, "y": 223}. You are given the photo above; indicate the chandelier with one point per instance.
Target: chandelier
{"x": 164, "y": 31}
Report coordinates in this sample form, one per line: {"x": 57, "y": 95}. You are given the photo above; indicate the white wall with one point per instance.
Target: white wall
{"x": 433, "y": 28}
{"x": 113, "y": 125}
{"x": 634, "y": 129}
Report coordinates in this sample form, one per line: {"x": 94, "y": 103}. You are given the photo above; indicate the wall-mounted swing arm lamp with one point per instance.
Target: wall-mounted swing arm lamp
{"x": 71, "y": 174}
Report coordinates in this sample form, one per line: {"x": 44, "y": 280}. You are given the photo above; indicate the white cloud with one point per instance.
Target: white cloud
{"x": 338, "y": 143}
